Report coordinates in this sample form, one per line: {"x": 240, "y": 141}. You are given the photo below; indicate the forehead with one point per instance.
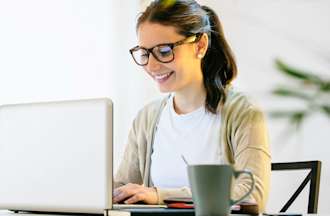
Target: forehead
{"x": 152, "y": 34}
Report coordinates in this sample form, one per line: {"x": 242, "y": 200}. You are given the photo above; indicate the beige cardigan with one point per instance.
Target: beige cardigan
{"x": 244, "y": 142}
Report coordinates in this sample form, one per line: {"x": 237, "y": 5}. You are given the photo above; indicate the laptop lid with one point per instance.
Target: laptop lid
{"x": 56, "y": 156}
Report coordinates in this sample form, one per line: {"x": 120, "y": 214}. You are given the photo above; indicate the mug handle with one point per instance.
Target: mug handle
{"x": 238, "y": 173}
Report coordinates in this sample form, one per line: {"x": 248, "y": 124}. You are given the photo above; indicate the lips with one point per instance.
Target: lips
{"x": 160, "y": 78}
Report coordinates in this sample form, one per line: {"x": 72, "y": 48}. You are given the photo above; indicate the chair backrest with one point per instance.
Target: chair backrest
{"x": 313, "y": 177}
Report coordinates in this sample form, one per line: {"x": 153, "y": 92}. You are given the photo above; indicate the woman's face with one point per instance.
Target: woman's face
{"x": 181, "y": 74}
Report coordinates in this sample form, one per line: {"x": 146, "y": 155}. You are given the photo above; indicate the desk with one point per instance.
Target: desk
{"x": 10, "y": 213}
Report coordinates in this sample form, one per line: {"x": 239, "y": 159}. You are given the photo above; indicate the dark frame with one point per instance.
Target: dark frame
{"x": 313, "y": 176}
{"x": 198, "y": 36}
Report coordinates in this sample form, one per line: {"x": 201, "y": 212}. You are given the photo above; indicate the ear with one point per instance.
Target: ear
{"x": 202, "y": 45}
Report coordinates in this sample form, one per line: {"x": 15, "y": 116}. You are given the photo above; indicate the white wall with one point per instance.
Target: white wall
{"x": 54, "y": 49}
{"x": 68, "y": 49}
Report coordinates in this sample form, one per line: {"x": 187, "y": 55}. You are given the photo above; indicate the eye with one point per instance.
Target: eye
{"x": 140, "y": 55}
{"x": 164, "y": 51}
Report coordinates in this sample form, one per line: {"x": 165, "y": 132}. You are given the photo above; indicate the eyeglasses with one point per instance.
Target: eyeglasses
{"x": 162, "y": 52}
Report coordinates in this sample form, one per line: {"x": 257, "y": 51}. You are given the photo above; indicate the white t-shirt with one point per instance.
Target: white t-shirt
{"x": 195, "y": 135}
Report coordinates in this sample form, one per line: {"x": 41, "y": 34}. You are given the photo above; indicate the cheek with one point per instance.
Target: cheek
{"x": 186, "y": 57}
{"x": 166, "y": 67}
{"x": 145, "y": 69}
{"x": 185, "y": 62}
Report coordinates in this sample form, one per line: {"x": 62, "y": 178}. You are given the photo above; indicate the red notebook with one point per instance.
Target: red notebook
{"x": 179, "y": 202}
{"x": 187, "y": 203}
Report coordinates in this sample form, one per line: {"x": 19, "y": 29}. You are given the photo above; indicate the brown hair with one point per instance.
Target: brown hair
{"x": 189, "y": 18}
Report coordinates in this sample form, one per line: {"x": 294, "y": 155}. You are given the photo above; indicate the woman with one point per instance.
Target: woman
{"x": 183, "y": 48}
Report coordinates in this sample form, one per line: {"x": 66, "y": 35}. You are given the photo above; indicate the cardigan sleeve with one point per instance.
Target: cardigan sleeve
{"x": 134, "y": 166}
{"x": 129, "y": 170}
{"x": 251, "y": 152}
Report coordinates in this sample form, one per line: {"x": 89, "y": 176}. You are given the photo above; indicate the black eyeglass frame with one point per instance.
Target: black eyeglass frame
{"x": 171, "y": 45}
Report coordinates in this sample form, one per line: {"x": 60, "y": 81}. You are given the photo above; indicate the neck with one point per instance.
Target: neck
{"x": 188, "y": 100}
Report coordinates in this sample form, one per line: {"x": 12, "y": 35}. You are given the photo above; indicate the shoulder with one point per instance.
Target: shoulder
{"x": 153, "y": 107}
{"x": 149, "y": 113}
{"x": 239, "y": 105}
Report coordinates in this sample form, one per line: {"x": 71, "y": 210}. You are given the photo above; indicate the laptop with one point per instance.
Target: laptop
{"x": 57, "y": 156}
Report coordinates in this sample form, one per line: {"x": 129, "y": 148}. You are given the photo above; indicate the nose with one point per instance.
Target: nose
{"x": 153, "y": 64}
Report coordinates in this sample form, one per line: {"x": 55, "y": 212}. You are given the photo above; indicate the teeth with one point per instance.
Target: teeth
{"x": 162, "y": 76}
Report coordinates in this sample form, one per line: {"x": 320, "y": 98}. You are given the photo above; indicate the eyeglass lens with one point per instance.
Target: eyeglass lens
{"x": 162, "y": 53}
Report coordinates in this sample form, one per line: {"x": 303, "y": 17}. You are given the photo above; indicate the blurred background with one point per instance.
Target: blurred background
{"x": 73, "y": 49}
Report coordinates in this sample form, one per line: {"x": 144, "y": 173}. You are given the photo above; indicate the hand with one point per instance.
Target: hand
{"x": 133, "y": 193}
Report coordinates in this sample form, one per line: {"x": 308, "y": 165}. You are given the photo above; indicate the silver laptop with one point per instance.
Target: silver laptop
{"x": 56, "y": 156}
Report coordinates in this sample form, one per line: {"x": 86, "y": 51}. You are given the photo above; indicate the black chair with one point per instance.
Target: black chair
{"x": 313, "y": 176}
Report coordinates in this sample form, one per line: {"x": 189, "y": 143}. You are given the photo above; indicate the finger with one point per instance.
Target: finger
{"x": 116, "y": 192}
{"x": 118, "y": 198}
{"x": 124, "y": 192}
{"x": 121, "y": 195}
{"x": 136, "y": 198}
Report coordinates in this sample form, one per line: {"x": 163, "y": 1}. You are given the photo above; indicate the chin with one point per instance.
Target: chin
{"x": 165, "y": 89}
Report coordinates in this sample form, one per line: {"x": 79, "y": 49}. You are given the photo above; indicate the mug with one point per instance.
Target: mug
{"x": 211, "y": 188}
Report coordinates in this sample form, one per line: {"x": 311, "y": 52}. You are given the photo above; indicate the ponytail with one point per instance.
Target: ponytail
{"x": 218, "y": 65}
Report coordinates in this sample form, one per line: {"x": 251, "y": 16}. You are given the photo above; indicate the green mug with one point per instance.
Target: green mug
{"x": 211, "y": 188}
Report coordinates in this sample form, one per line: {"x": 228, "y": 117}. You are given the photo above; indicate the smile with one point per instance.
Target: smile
{"x": 162, "y": 77}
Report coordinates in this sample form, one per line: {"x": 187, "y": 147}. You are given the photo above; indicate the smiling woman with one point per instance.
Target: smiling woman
{"x": 178, "y": 69}
{"x": 182, "y": 47}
